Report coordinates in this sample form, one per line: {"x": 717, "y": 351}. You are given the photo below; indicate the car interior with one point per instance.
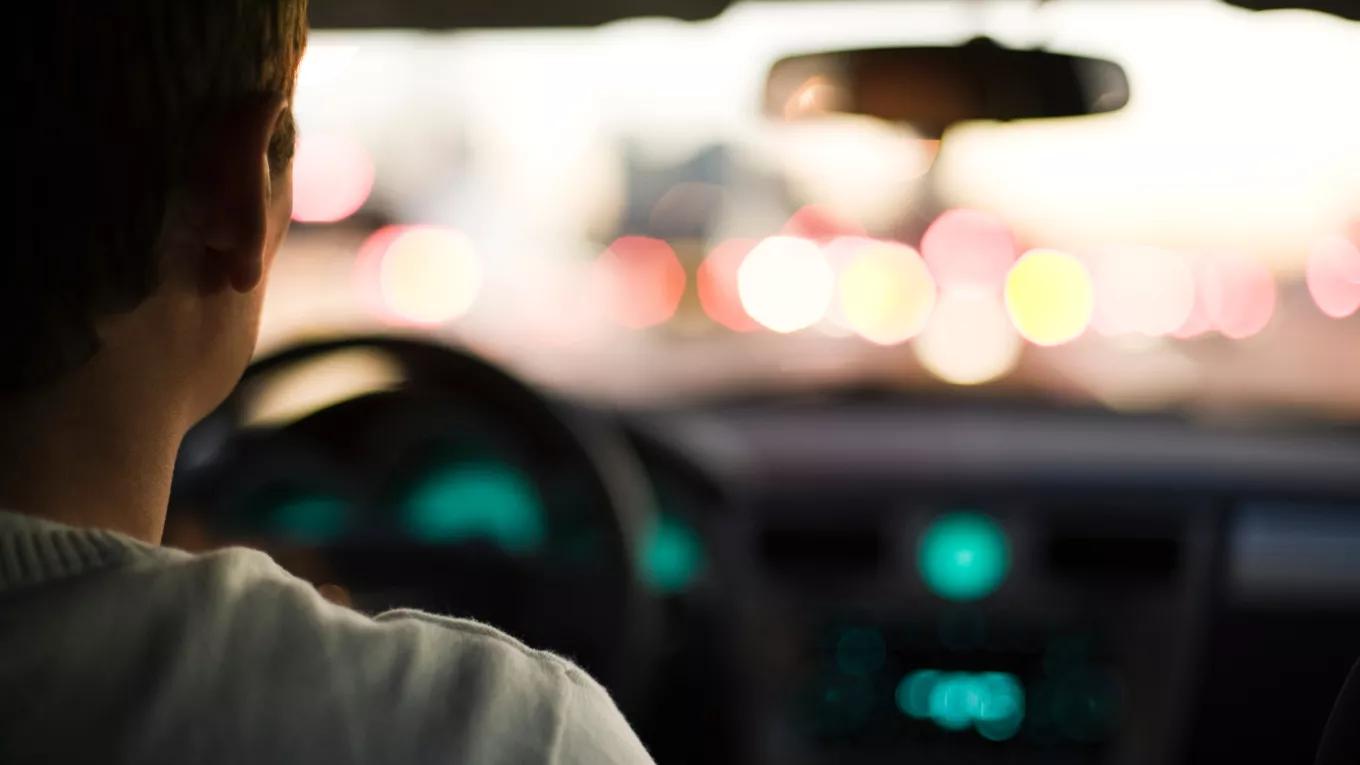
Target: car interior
{"x": 837, "y": 381}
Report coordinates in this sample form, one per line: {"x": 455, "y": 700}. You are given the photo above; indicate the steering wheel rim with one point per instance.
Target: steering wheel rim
{"x": 613, "y": 481}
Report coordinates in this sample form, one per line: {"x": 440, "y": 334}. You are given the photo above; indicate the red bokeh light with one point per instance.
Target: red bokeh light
{"x": 1236, "y": 295}
{"x": 332, "y": 178}
{"x": 1197, "y": 323}
{"x": 819, "y": 224}
{"x": 969, "y": 249}
{"x": 1334, "y": 276}
{"x": 368, "y": 266}
{"x": 643, "y": 281}
{"x": 717, "y": 285}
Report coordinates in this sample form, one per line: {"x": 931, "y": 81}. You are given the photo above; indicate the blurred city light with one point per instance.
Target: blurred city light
{"x": 1197, "y": 323}
{"x": 969, "y": 339}
{"x": 420, "y": 275}
{"x": 1333, "y": 275}
{"x": 1049, "y": 297}
{"x": 323, "y": 66}
{"x": 1141, "y": 290}
{"x": 887, "y": 293}
{"x": 861, "y": 168}
{"x": 786, "y": 284}
{"x": 821, "y": 224}
{"x": 643, "y": 281}
{"x": 332, "y": 178}
{"x": 968, "y": 249}
{"x": 1237, "y": 295}
{"x": 716, "y": 281}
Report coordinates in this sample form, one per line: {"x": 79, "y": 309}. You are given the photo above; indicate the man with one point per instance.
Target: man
{"x": 153, "y": 190}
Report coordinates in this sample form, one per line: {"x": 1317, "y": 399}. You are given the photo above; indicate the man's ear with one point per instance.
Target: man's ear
{"x": 230, "y": 183}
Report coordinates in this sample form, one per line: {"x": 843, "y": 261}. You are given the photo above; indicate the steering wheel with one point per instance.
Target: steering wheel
{"x": 352, "y": 493}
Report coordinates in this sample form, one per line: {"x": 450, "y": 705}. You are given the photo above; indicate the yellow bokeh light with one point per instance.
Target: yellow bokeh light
{"x": 429, "y": 275}
{"x": 1049, "y": 297}
{"x": 969, "y": 340}
{"x": 887, "y": 293}
{"x": 786, "y": 284}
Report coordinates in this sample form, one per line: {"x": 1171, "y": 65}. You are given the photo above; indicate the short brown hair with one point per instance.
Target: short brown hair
{"x": 111, "y": 101}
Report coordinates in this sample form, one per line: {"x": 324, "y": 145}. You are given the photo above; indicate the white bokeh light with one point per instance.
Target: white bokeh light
{"x": 786, "y": 284}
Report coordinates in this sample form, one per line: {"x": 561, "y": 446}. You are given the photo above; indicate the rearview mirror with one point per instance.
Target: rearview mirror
{"x": 932, "y": 88}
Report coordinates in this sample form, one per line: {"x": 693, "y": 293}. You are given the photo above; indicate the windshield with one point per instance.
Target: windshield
{"x": 607, "y": 211}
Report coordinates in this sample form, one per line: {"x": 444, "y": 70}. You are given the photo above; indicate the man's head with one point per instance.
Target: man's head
{"x": 153, "y": 145}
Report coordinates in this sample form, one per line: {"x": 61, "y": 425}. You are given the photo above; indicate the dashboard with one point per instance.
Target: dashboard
{"x": 975, "y": 582}
{"x": 851, "y": 577}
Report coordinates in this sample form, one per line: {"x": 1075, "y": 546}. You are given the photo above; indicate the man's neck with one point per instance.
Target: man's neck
{"x": 98, "y": 450}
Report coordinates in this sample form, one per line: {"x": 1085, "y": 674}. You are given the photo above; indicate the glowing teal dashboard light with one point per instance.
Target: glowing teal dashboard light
{"x": 913, "y": 693}
{"x": 1001, "y": 706}
{"x": 672, "y": 554}
{"x": 963, "y": 556}
{"x": 310, "y": 518}
{"x": 992, "y": 703}
{"x": 477, "y": 499}
{"x": 955, "y": 701}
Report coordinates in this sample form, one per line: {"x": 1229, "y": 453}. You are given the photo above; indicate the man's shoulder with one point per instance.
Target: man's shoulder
{"x": 432, "y": 683}
{"x": 462, "y": 687}
{"x": 223, "y": 656}
{"x": 252, "y": 604}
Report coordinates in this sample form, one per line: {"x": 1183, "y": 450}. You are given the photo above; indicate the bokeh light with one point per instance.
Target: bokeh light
{"x": 1333, "y": 276}
{"x": 969, "y": 249}
{"x": 672, "y": 554}
{"x": 913, "y": 693}
{"x": 821, "y": 224}
{"x": 1049, "y": 297}
{"x": 1236, "y": 295}
{"x": 332, "y": 178}
{"x": 1001, "y": 706}
{"x": 1141, "y": 290}
{"x": 786, "y": 284}
{"x": 324, "y": 67}
{"x": 488, "y": 500}
{"x": 969, "y": 339}
{"x": 887, "y": 293}
{"x": 1197, "y": 323}
{"x": 993, "y": 703}
{"x": 864, "y": 169}
{"x": 716, "y": 281}
{"x": 954, "y": 701}
{"x": 311, "y": 518}
{"x": 643, "y": 281}
{"x": 420, "y": 275}
{"x": 963, "y": 556}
